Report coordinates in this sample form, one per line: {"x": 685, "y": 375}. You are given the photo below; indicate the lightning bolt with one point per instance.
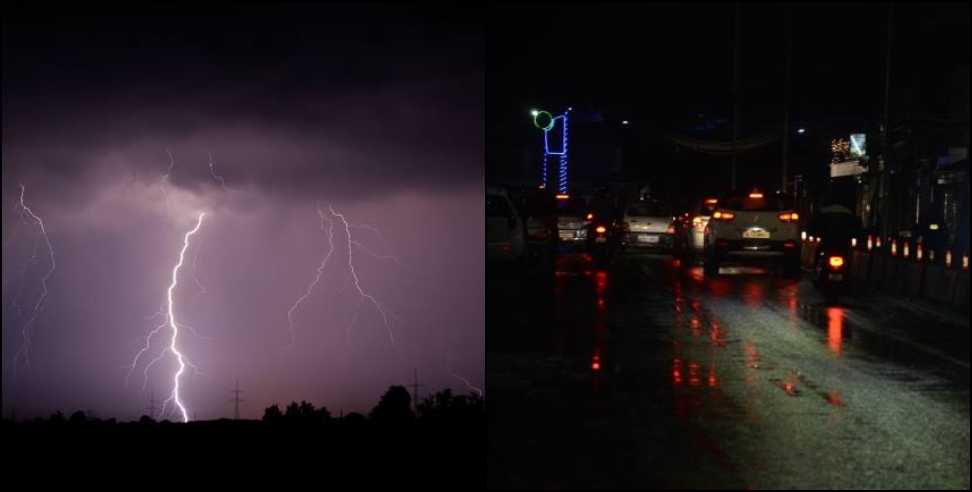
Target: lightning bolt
{"x": 367, "y": 250}
{"x": 317, "y": 277}
{"x": 25, "y": 347}
{"x": 354, "y": 275}
{"x": 171, "y": 323}
{"x": 212, "y": 172}
{"x": 469, "y": 386}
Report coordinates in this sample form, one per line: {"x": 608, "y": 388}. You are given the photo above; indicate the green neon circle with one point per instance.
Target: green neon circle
{"x": 550, "y": 122}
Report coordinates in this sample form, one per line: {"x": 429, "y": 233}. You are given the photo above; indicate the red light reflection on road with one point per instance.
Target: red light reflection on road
{"x": 753, "y": 294}
{"x": 600, "y": 282}
{"x": 713, "y": 380}
{"x": 695, "y": 324}
{"x": 694, "y": 374}
{"x": 676, "y": 372}
{"x": 835, "y": 329}
{"x": 833, "y": 397}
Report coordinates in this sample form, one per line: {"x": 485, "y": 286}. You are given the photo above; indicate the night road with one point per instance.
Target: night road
{"x": 649, "y": 374}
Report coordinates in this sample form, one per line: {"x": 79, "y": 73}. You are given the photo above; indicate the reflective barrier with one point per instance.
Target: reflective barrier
{"x": 903, "y": 269}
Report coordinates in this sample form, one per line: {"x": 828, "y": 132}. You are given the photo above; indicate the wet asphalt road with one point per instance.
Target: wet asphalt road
{"x": 645, "y": 373}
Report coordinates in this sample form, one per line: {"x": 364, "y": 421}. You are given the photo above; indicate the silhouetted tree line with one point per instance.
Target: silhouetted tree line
{"x": 435, "y": 444}
{"x": 394, "y": 408}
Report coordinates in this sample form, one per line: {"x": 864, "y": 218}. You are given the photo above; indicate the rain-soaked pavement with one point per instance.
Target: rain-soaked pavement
{"x": 646, "y": 374}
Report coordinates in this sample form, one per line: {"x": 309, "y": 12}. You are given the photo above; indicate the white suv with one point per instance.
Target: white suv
{"x": 753, "y": 226}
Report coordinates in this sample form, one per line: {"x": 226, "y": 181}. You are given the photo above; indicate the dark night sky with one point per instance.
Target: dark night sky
{"x": 658, "y": 65}
{"x": 379, "y": 113}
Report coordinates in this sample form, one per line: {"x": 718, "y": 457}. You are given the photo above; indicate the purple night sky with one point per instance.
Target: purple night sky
{"x": 379, "y": 116}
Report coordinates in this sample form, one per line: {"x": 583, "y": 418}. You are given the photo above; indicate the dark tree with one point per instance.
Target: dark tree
{"x": 395, "y": 406}
{"x": 322, "y": 415}
{"x": 293, "y": 411}
{"x": 146, "y": 420}
{"x": 77, "y": 418}
{"x": 272, "y": 414}
{"x": 57, "y": 418}
{"x": 306, "y": 411}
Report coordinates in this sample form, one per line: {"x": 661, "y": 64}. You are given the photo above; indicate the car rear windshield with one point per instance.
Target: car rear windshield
{"x": 496, "y": 206}
{"x": 747, "y": 204}
{"x": 650, "y": 209}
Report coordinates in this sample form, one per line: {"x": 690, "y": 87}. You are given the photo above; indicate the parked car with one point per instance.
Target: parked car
{"x": 505, "y": 231}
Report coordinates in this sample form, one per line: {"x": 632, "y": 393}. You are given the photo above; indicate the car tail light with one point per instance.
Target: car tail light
{"x": 894, "y": 247}
{"x": 756, "y": 195}
{"x": 919, "y": 252}
{"x": 907, "y": 250}
{"x": 600, "y": 229}
{"x": 723, "y": 215}
{"x": 836, "y": 262}
{"x": 590, "y": 217}
{"x": 789, "y": 216}
{"x": 711, "y": 201}
{"x": 670, "y": 230}
{"x": 563, "y": 196}
{"x": 789, "y": 244}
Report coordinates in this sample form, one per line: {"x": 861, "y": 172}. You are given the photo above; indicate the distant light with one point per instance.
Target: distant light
{"x": 563, "y": 196}
{"x": 803, "y": 235}
{"x": 625, "y": 122}
{"x": 534, "y": 112}
{"x": 756, "y": 195}
{"x": 801, "y": 131}
{"x": 853, "y": 242}
{"x": 570, "y": 108}
{"x": 933, "y": 227}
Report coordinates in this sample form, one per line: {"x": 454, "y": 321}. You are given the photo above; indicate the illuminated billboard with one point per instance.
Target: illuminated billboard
{"x": 858, "y": 145}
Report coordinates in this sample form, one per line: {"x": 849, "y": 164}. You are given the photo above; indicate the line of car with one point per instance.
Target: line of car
{"x": 734, "y": 228}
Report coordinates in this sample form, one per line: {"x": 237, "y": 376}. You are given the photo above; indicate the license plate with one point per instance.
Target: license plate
{"x": 836, "y": 276}
{"x": 600, "y": 240}
{"x": 645, "y": 238}
{"x": 756, "y": 233}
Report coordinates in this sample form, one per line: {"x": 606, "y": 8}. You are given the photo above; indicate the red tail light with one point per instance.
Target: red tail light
{"x": 789, "y": 244}
{"x": 723, "y": 215}
{"x": 600, "y": 229}
{"x": 789, "y": 216}
{"x": 590, "y": 217}
{"x": 836, "y": 262}
{"x": 670, "y": 230}
{"x": 711, "y": 201}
